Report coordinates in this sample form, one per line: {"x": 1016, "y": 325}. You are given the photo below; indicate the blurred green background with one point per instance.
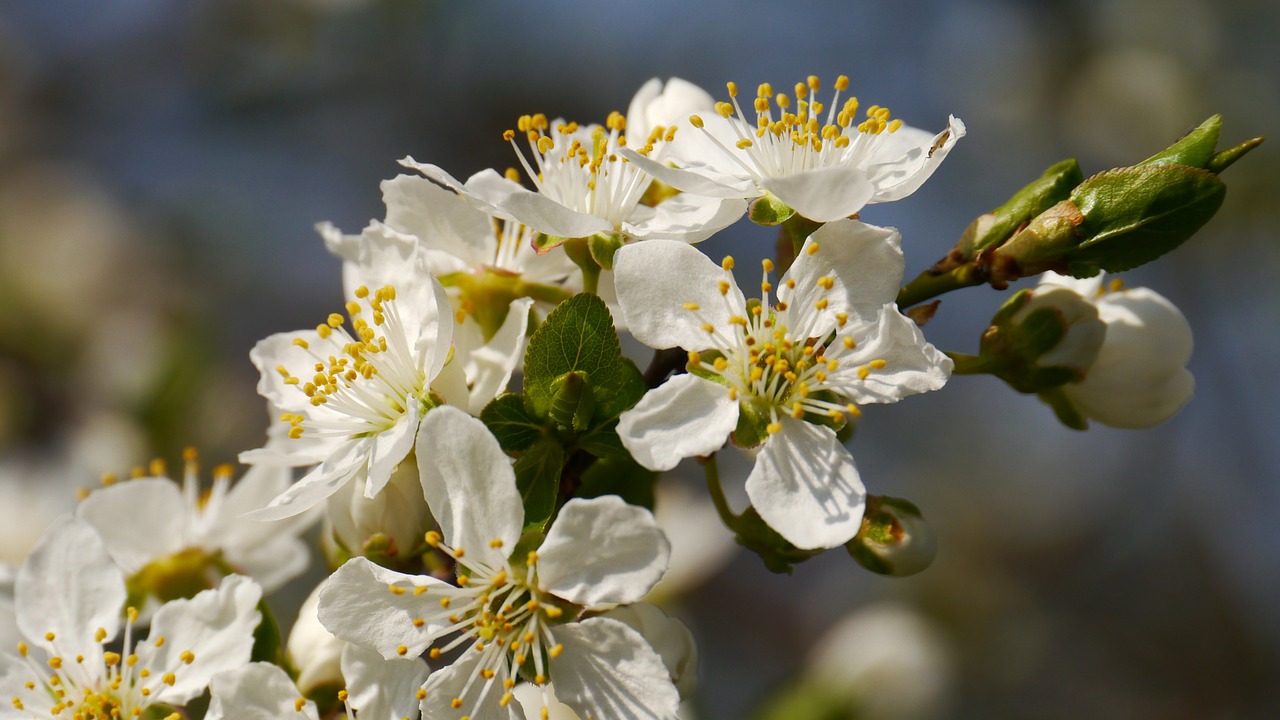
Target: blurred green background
{"x": 162, "y": 165}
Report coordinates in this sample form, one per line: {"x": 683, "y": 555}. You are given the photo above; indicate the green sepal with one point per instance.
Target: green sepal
{"x": 538, "y": 472}
{"x": 894, "y": 539}
{"x": 622, "y": 476}
{"x": 509, "y": 421}
{"x": 768, "y": 210}
{"x": 268, "y": 644}
{"x": 603, "y": 246}
{"x": 753, "y": 418}
{"x": 1064, "y": 409}
{"x": 543, "y": 243}
{"x": 754, "y": 534}
{"x": 572, "y": 401}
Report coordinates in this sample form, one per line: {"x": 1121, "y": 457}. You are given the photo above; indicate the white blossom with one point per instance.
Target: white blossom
{"x": 515, "y": 611}
{"x": 70, "y": 598}
{"x": 825, "y": 169}
{"x": 786, "y": 370}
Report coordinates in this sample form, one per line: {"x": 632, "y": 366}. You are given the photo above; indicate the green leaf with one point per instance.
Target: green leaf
{"x": 603, "y": 441}
{"x": 1039, "y": 195}
{"x": 267, "y": 643}
{"x": 506, "y": 418}
{"x": 538, "y": 480}
{"x": 619, "y": 475}
{"x": 1196, "y": 148}
{"x": 573, "y": 401}
{"x": 1135, "y": 215}
{"x": 630, "y": 388}
{"x": 577, "y": 336}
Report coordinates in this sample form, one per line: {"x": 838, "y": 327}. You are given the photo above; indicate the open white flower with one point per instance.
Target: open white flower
{"x": 517, "y": 608}
{"x": 181, "y": 540}
{"x": 778, "y": 373}
{"x": 825, "y": 169}
{"x": 70, "y": 599}
{"x": 583, "y": 183}
{"x": 1140, "y": 376}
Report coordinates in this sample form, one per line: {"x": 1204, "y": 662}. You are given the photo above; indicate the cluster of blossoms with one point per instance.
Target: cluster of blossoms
{"x": 492, "y": 550}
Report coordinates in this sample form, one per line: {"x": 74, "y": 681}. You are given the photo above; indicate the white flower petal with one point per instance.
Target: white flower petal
{"x": 439, "y": 218}
{"x": 258, "y": 486}
{"x": 912, "y": 365}
{"x": 669, "y": 637}
{"x": 70, "y": 587}
{"x": 533, "y": 698}
{"x": 357, "y": 605}
{"x": 257, "y": 691}
{"x": 697, "y": 179}
{"x": 1140, "y": 377}
{"x": 905, "y": 170}
{"x": 155, "y": 512}
{"x": 607, "y": 670}
{"x": 324, "y": 480}
{"x": 533, "y": 209}
{"x": 390, "y": 447}
{"x": 687, "y": 218}
{"x": 436, "y": 335}
{"x": 489, "y": 366}
{"x": 18, "y": 680}
{"x": 805, "y": 486}
{"x": 602, "y": 551}
{"x": 469, "y": 485}
{"x": 823, "y": 194}
{"x": 381, "y": 689}
{"x": 444, "y": 685}
{"x": 279, "y": 351}
{"x": 657, "y": 280}
{"x": 684, "y": 417}
{"x": 313, "y": 651}
{"x": 865, "y": 263}
{"x": 658, "y": 104}
{"x": 216, "y": 626}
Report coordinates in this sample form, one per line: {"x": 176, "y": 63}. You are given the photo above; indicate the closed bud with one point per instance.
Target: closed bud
{"x": 573, "y": 401}
{"x": 1042, "y": 338}
{"x": 385, "y": 528}
{"x": 997, "y": 226}
{"x": 314, "y": 652}
{"x": 895, "y": 539}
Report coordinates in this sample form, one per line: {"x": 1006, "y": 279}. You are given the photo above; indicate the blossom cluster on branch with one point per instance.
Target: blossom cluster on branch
{"x": 492, "y": 547}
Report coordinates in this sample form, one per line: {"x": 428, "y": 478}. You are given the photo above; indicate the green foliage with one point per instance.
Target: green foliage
{"x": 576, "y": 383}
{"x": 622, "y": 476}
{"x": 769, "y": 211}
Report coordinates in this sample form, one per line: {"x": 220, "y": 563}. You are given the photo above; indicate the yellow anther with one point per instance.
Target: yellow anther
{"x": 863, "y": 372}
{"x": 456, "y": 703}
{"x": 797, "y": 410}
{"x": 402, "y": 650}
{"x": 540, "y": 679}
{"x": 821, "y": 304}
{"x": 1115, "y": 285}
{"x": 445, "y": 602}
{"x": 187, "y": 657}
{"x": 395, "y": 590}
{"x": 109, "y": 479}
{"x": 100, "y": 634}
{"x": 50, "y": 637}
{"x": 334, "y": 320}
{"x": 721, "y": 364}
{"x": 434, "y": 653}
{"x": 299, "y": 704}
{"x": 495, "y": 543}
{"x": 737, "y": 320}
{"x": 814, "y": 83}
{"x": 419, "y": 590}
{"x": 168, "y": 678}
{"x": 802, "y": 91}
{"x": 724, "y": 109}
{"x": 422, "y": 694}
{"x": 708, "y": 328}
{"x": 324, "y": 331}
{"x": 691, "y": 306}
{"x": 464, "y": 580}
{"x": 842, "y": 318}
{"x": 744, "y": 143}
{"x": 895, "y": 126}
{"x": 878, "y": 364}
{"x": 724, "y": 287}
{"x": 766, "y": 286}
{"x": 695, "y": 121}
{"x": 727, "y": 262}
{"x": 842, "y": 83}
{"x": 545, "y": 144}
{"x": 505, "y": 700}
{"x": 432, "y": 538}
{"x": 553, "y": 612}
{"x": 773, "y": 428}
{"x": 458, "y": 553}
{"x": 419, "y": 622}
{"x": 848, "y": 342}
{"x": 695, "y": 358}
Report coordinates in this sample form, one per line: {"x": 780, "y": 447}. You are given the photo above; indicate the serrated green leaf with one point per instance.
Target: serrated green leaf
{"x": 506, "y": 418}
{"x": 628, "y": 391}
{"x": 1196, "y": 148}
{"x": 538, "y": 480}
{"x": 619, "y": 475}
{"x": 577, "y": 336}
{"x": 603, "y": 441}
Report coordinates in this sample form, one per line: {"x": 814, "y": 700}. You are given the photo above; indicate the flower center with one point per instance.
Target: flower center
{"x": 111, "y": 686}
{"x": 780, "y": 357}
{"x": 791, "y": 142}
{"x": 368, "y": 377}
{"x": 580, "y": 167}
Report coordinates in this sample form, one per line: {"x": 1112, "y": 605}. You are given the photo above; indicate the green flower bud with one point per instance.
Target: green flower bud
{"x": 997, "y": 226}
{"x": 894, "y": 539}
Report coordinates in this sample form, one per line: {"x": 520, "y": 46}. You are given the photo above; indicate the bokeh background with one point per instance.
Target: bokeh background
{"x": 162, "y": 165}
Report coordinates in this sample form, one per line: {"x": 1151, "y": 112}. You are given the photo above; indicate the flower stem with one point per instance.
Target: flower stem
{"x": 929, "y": 284}
{"x": 970, "y": 364}
{"x": 712, "y": 471}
